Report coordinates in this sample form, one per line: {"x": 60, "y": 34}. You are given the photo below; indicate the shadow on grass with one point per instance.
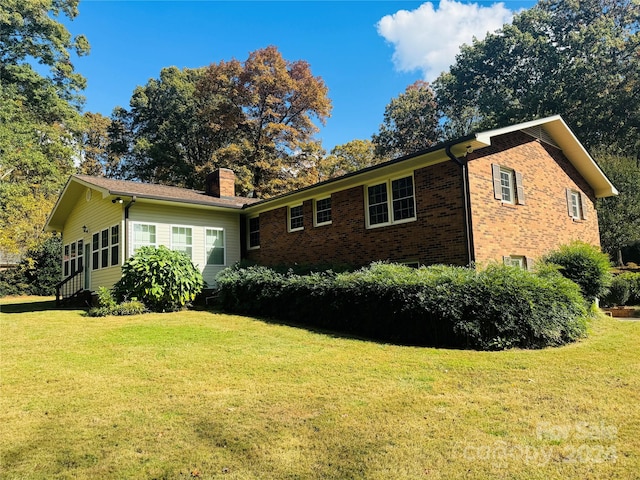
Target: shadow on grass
{"x": 35, "y": 306}
{"x": 382, "y": 340}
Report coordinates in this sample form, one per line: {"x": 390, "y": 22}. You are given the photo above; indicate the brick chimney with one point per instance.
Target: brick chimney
{"x": 221, "y": 183}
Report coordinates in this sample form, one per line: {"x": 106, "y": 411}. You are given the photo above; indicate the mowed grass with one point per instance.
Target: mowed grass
{"x": 204, "y": 395}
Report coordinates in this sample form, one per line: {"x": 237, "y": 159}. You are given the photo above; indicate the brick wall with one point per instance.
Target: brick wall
{"x": 437, "y": 236}
{"x": 543, "y": 223}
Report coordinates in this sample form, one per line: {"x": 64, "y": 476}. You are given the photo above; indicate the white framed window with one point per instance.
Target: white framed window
{"x": 73, "y": 257}
{"x": 322, "y": 211}
{"x": 507, "y": 185}
{"x": 296, "y": 218}
{"x": 66, "y": 257}
{"x": 253, "y": 232}
{"x": 390, "y": 202}
{"x": 404, "y": 206}
{"x": 182, "y": 240}
{"x": 80, "y": 254}
{"x": 74, "y": 247}
{"x": 144, "y": 235}
{"x": 104, "y": 248}
{"x": 575, "y": 204}
{"x": 214, "y": 245}
{"x": 115, "y": 244}
{"x": 95, "y": 251}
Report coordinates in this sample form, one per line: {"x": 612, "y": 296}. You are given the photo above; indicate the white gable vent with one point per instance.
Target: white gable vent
{"x": 541, "y": 134}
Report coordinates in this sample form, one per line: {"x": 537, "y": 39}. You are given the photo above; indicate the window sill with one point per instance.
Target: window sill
{"x": 389, "y": 224}
{"x": 509, "y": 205}
{"x": 296, "y": 230}
{"x": 323, "y": 224}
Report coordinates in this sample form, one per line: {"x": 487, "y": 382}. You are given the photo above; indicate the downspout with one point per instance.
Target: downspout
{"x": 468, "y": 227}
{"x": 126, "y": 226}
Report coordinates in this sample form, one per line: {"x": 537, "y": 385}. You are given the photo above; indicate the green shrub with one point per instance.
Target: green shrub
{"x": 165, "y": 280}
{"x": 38, "y": 271}
{"x": 107, "y": 305}
{"x": 618, "y": 294}
{"x": 633, "y": 281}
{"x": 499, "y": 307}
{"x": 585, "y": 265}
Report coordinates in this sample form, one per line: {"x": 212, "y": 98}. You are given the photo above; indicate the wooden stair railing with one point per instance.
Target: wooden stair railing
{"x": 70, "y": 287}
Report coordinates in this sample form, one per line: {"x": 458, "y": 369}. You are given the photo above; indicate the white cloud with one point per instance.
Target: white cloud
{"x": 429, "y": 38}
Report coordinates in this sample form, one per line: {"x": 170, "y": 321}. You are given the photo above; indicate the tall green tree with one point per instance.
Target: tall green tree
{"x": 619, "y": 217}
{"x": 255, "y": 117}
{"x": 349, "y": 157}
{"x": 577, "y": 58}
{"x": 279, "y": 101}
{"x": 411, "y": 122}
{"x": 39, "y": 114}
{"x": 163, "y": 138}
{"x": 95, "y": 144}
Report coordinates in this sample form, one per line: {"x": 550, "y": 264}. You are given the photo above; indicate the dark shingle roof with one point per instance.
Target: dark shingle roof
{"x": 163, "y": 192}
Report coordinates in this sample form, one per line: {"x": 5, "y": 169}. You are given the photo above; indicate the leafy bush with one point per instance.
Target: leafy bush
{"x": 165, "y": 280}
{"x": 107, "y": 305}
{"x": 624, "y": 290}
{"x": 584, "y": 264}
{"x": 37, "y": 273}
{"x": 633, "y": 281}
{"x": 499, "y": 307}
{"x": 618, "y": 293}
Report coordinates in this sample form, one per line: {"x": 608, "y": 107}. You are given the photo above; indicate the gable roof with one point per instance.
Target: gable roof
{"x": 560, "y": 133}
{"x": 77, "y": 184}
{"x": 552, "y": 129}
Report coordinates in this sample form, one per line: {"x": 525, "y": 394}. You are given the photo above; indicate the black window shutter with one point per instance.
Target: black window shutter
{"x": 497, "y": 186}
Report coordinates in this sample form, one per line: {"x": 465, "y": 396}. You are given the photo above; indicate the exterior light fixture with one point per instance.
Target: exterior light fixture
{"x": 116, "y": 200}
{"x": 85, "y": 229}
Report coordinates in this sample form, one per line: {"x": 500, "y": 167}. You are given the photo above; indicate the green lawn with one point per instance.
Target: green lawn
{"x": 204, "y": 395}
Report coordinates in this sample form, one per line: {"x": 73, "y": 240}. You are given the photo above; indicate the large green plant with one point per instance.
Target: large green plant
{"x": 586, "y": 265}
{"x": 165, "y": 280}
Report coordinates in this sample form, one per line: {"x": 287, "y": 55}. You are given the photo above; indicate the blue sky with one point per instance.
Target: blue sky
{"x": 367, "y": 52}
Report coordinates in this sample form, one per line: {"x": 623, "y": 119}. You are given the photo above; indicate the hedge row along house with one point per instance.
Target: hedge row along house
{"x": 507, "y": 195}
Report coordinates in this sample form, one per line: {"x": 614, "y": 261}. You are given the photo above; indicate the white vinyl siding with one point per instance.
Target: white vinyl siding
{"x": 165, "y": 218}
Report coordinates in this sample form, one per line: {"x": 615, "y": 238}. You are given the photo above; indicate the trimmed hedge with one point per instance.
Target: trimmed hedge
{"x": 499, "y": 307}
{"x": 584, "y": 264}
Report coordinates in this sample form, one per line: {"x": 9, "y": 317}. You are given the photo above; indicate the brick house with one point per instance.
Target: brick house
{"x": 507, "y": 195}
